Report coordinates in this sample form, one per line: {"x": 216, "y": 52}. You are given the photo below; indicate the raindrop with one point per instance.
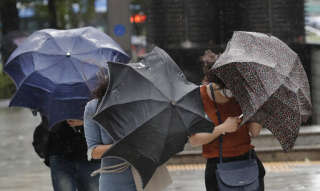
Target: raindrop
{"x": 115, "y": 93}
{"x": 138, "y": 65}
{"x": 181, "y": 75}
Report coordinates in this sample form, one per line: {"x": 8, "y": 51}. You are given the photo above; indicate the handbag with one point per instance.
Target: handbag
{"x": 242, "y": 175}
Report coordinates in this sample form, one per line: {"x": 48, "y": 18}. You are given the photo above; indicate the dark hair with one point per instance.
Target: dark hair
{"x": 102, "y": 86}
{"x": 207, "y": 60}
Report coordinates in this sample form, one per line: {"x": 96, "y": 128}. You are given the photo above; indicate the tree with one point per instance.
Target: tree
{"x": 52, "y": 14}
{"x": 9, "y": 16}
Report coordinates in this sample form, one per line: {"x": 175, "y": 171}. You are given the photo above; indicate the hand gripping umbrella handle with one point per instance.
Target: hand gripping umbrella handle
{"x": 220, "y": 121}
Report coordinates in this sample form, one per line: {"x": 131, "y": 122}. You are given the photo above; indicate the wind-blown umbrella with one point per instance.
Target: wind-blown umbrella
{"x": 269, "y": 82}
{"x": 150, "y": 109}
{"x": 54, "y": 70}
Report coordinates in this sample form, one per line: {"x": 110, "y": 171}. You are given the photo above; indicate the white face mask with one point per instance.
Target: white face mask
{"x": 227, "y": 93}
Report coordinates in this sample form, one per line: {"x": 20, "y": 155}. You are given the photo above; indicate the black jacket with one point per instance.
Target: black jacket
{"x": 59, "y": 140}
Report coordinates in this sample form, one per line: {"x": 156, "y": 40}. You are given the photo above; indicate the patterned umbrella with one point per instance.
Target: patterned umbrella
{"x": 269, "y": 82}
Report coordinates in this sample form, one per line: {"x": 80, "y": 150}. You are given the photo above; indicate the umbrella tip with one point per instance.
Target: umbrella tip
{"x": 68, "y": 54}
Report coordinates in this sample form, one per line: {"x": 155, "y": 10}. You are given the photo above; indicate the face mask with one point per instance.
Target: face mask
{"x": 227, "y": 93}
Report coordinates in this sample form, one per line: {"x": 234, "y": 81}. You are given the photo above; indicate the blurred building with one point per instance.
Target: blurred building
{"x": 185, "y": 28}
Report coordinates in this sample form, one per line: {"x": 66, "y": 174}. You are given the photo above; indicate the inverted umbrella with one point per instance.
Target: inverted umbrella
{"x": 55, "y": 70}
{"x": 269, "y": 82}
{"x": 150, "y": 109}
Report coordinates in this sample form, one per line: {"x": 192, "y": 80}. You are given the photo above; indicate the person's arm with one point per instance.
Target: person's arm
{"x": 98, "y": 151}
{"x": 230, "y": 125}
{"x": 254, "y": 128}
{"x": 92, "y": 134}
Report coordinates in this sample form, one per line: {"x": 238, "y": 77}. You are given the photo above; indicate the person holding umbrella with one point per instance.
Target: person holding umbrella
{"x": 119, "y": 176}
{"x": 236, "y": 140}
{"x": 54, "y": 71}
{"x": 65, "y": 153}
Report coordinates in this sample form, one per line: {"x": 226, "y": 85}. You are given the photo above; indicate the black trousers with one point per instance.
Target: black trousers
{"x": 211, "y": 167}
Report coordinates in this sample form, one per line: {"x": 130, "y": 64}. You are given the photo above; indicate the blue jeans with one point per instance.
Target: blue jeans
{"x": 72, "y": 175}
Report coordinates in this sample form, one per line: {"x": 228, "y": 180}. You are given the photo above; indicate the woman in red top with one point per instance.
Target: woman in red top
{"x": 236, "y": 140}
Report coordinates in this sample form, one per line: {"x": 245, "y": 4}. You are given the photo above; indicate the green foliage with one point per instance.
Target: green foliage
{"x": 7, "y": 88}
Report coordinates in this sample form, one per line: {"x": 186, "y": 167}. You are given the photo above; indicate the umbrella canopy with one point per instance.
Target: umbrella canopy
{"x": 150, "y": 109}
{"x": 55, "y": 70}
{"x": 269, "y": 82}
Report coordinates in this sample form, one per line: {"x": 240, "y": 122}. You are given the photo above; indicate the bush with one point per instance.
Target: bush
{"x": 7, "y": 87}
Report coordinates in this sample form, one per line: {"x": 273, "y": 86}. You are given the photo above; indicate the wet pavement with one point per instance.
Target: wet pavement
{"x": 280, "y": 177}
{"x": 21, "y": 168}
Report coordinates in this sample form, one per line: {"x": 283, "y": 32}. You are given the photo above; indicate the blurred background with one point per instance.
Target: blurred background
{"x": 183, "y": 28}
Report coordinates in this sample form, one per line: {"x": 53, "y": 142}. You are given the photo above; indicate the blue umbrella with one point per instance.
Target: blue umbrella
{"x": 55, "y": 70}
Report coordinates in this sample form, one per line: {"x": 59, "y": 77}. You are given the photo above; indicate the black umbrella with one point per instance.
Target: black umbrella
{"x": 150, "y": 109}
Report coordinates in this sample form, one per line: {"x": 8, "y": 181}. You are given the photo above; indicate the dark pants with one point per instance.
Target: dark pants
{"x": 72, "y": 175}
{"x": 211, "y": 167}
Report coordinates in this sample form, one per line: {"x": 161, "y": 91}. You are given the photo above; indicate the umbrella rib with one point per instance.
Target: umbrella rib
{"x": 135, "y": 101}
{"x": 185, "y": 109}
{"x": 73, "y": 98}
{"x": 37, "y": 71}
{"x": 53, "y": 39}
{"x": 168, "y": 130}
{"x": 164, "y": 61}
{"x": 265, "y": 103}
{"x": 273, "y": 114}
{"x": 52, "y": 65}
{"x": 76, "y": 58}
{"x": 79, "y": 36}
{"x": 148, "y": 82}
{"x": 18, "y": 87}
{"x": 150, "y": 118}
{"x": 99, "y": 48}
{"x": 31, "y": 52}
{"x": 273, "y": 94}
{"x": 82, "y": 74}
{"x": 247, "y": 84}
{"x": 33, "y": 86}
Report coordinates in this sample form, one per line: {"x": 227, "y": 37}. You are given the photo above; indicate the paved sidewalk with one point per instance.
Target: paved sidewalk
{"x": 282, "y": 176}
{"x": 21, "y": 169}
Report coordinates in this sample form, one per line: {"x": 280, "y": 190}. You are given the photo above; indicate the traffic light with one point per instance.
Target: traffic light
{"x": 138, "y": 18}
